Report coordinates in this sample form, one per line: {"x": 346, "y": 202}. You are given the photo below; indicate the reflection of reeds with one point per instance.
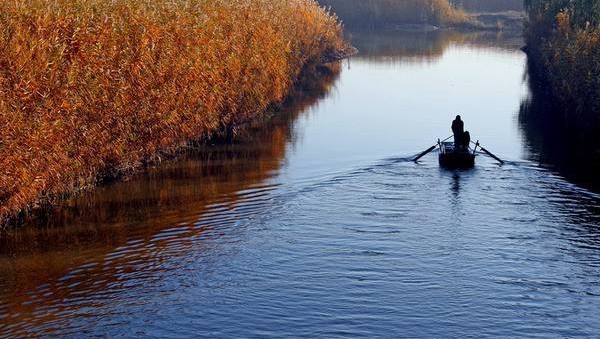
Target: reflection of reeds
{"x": 181, "y": 195}
{"x": 406, "y": 46}
{"x": 92, "y": 88}
{"x": 381, "y": 13}
{"x": 554, "y": 142}
{"x": 562, "y": 117}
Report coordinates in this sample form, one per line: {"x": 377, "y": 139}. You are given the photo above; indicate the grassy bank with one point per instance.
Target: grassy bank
{"x": 563, "y": 43}
{"x": 95, "y": 88}
{"x": 386, "y": 13}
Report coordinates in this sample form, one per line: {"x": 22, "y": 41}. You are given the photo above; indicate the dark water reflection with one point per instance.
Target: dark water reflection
{"x": 123, "y": 228}
{"x": 314, "y": 224}
{"x": 553, "y": 142}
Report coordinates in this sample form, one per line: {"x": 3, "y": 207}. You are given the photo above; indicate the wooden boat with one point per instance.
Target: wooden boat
{"x": 451, "y": 156}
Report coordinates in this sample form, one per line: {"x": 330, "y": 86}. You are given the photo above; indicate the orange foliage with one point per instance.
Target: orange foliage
{"x": 93, "y": 88}
{"x": 563, "y": 40}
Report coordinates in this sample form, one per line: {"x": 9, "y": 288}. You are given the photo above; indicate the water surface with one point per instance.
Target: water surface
{"x": 316, "y": 224}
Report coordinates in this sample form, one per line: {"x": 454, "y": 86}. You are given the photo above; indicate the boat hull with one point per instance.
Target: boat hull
{"x": 455, "y": 157}
{"x": 457, "y": 160}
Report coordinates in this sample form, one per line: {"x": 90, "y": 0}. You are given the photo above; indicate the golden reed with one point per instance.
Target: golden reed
{"x": 93, "y": 88}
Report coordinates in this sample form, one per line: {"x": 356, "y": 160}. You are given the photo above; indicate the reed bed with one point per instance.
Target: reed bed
{"x": 563, "y": 40}
{"x": 383, "y": 13}
{"x": 91, "y": 89}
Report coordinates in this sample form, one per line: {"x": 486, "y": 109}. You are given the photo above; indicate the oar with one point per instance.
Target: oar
{"x": 488, "y": 152}
{"x": 430, "y": 149}
{"x": 425, "y": 152}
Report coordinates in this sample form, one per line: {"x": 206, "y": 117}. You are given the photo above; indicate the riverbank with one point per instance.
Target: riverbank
{"x": 563, "y": 48}
{"x": 563, "y": 112}
{"x": 418, "y": 15}
{"x": 385, "y": 14}
{"x": 94, "y": 89}
{"x": 500, "y": 21}
{"x": 88, "y": 226}
{"x": 553, "y": 140}
{"x": 315, "y": 226}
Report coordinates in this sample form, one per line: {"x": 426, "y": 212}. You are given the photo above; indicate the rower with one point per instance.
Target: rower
{"x": 458, "y": 127}
{"x": 466, "y": 139}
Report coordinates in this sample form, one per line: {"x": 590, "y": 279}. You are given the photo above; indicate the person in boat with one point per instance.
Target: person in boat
{"x": 466, "y": 139}
{"x": 458, "y": 127}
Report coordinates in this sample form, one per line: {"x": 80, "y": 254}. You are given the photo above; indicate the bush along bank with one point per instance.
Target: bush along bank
{"x": 563, "y": 46}
{"x": 91, "y": 89}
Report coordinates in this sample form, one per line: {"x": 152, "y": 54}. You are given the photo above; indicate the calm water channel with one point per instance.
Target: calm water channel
{"x": 314, "y": 224}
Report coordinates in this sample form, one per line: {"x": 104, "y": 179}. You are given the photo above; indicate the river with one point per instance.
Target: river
{"x": 315, "y": 223}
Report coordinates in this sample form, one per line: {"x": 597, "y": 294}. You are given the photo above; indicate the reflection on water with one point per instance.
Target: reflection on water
{"x": 316, "y": 224}
{"x": 426, "y": 46}
{"x": 123, "y": 228}
{"x": 552, "y": 142}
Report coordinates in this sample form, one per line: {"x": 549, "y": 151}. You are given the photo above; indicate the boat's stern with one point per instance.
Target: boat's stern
{"x": 453, "y": 157}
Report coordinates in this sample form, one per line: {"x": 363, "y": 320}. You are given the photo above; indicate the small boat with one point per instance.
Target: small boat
{"x": 451, "y": 156}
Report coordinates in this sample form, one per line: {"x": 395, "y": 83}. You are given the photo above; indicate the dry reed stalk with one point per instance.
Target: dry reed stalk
{"x": 91, "y": 88}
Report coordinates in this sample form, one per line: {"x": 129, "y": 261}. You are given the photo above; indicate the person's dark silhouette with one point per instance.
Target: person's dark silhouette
{"x": 466, "y": 139}
{"x": 458, "y": 127}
